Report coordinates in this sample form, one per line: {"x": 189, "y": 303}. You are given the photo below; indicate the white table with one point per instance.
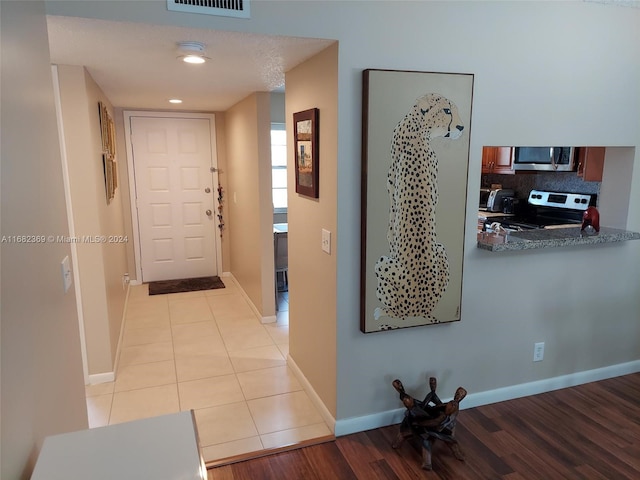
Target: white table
{"x": 165, "y": 447}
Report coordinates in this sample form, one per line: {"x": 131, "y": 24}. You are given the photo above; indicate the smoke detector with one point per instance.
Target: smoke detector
{"x": 192, "y": 52}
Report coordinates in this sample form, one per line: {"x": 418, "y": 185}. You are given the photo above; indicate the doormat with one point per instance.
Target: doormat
{"x": 184, "y": 285}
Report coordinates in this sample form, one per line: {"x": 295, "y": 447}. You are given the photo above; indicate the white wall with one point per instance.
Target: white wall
{"x": 312, "y": 272}
{"x": 545, "y": 72}
{"x": 582, "y": 302}
{"x": 41, "y": 378}
{"x": 249, "y": 210}
{"x": 101, "y": 265}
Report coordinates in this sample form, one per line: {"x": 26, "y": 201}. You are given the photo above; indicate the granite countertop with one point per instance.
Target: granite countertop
{"x": 548, "y": 238}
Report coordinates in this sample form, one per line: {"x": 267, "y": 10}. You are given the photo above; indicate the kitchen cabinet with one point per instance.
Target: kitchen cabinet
{"x": 591, "y": 163}
{"x": 497, "y": 160}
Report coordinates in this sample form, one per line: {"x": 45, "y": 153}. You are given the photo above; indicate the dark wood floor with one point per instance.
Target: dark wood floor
{"x": 589, "y": 432}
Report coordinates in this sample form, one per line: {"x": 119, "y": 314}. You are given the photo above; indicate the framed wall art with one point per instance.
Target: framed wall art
{"x": 307, "y": 161}
{"x": 108, "y": 138}
{"x": 415, "y": 157}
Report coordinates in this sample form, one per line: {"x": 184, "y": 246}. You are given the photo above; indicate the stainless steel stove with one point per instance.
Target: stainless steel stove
{"x": 549, "y": 210}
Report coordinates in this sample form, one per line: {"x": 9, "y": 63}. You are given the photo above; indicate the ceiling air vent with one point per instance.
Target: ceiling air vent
{"x": 225, "y": 8}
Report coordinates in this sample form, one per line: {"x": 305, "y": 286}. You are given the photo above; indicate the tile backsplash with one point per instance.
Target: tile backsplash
{"x": 522, "y": 184}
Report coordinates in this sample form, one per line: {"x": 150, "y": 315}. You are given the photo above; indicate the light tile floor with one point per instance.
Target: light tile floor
{"x": 208, "y": 351}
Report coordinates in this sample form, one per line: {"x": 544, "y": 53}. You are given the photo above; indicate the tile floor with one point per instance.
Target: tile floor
{"x": 208, "y": 351}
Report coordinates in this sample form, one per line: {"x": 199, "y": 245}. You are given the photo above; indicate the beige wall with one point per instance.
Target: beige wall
{"x": 101, "y": 265}
{"x": 221, "y": 147}
{"x": 583, "y": 303}
{"x": 312, "y": 304}
{"x": 249, "y": 199}
{"x": 124, "y": 194}
{"x": 41, "y": 376}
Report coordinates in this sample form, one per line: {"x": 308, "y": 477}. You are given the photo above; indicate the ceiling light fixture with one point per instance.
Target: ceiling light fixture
{"x": 175, "y": 100}
{"x": 192, "y": 52}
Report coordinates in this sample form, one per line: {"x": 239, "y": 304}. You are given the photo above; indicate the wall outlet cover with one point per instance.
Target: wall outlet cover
{"x": 67, "y": 277}
{"x": 538, "y": 352}
{"x": 326, "y": 241}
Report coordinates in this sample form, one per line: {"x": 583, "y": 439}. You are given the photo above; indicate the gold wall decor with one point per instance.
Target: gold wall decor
{"x": 108, "y": 137}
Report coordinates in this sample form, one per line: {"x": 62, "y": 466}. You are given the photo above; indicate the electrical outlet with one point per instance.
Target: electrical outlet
{"x": 326, "y": 241}
{"x": 538, "y": 352}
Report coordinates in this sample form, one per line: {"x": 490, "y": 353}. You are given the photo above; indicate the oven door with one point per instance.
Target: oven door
{"x": 552, "y": 159}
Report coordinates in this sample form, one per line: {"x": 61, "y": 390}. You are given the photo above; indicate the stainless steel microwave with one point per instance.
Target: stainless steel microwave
{"x": 552, "y": 159}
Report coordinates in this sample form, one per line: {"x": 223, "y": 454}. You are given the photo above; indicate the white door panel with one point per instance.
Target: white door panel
{"x": 172, "y": 160}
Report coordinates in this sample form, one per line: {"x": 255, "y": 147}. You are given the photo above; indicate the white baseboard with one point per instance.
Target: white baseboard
{"x": 265, "y": 319}
{"x": 391, "y": 417}
{"x": 111, "y": 376}
{"x": 122, "y": 326}
{"x": 313, "y": 396}
{"x": 102, "y": 378}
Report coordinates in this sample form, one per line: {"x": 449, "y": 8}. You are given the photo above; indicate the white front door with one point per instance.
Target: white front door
{"x": 174, "y": 163}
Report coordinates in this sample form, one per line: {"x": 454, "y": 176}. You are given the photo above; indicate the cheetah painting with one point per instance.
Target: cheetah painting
{"x": 415, "y": 164}
{"x": 415, "y": 274}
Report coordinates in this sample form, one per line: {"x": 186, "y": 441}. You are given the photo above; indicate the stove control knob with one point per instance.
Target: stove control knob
{"x": 577, "y": 200}
{"x": 584, "y": 200}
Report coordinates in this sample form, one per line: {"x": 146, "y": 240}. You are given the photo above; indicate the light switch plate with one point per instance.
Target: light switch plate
{"x": 326, "y": 241}
{"x": 67, "y": 277}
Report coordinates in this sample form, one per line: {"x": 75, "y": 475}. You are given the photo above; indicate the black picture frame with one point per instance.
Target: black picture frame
{"x": 306, "y": 153}
{"x": 413, "y": 211}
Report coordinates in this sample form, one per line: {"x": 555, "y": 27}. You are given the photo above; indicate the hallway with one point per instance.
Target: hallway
{"x": 208, "y": 351}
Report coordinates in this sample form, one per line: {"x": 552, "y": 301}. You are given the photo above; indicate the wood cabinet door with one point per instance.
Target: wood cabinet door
{"x": 503, "y": 160}
{"x": 488, "y": 159}
{"x": 591, "y": 163}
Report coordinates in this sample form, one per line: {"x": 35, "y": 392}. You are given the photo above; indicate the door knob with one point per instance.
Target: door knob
{"x": 207, "y": 190}
{"x": 208, "y": 212}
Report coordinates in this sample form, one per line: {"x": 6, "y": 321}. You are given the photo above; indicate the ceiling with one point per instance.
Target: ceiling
{"x": 135, "y": 64}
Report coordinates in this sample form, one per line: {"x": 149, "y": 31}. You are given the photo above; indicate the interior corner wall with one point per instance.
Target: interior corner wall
{"x": 223, "y": 179}
{"x": 312, "y": 306}
{"x": 41, "y": 378}
{"x": 278, "y": 114}
{"x": 265, "y": 208}
{"x": 101, "y": 264}
{"x": 249, "y": 199}
{"x": 124, "y": 187}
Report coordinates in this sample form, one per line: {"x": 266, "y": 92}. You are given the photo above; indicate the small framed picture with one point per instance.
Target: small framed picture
{"x": 305, "y": 134}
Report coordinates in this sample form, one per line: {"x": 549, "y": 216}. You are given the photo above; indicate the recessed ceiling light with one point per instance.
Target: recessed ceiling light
{"x": 192, "y": 52}
{"x": 193, "y": 59}
{"x": 175, "y": 100}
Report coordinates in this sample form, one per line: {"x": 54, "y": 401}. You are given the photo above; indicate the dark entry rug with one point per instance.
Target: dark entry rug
{"x": 184, "y": 285}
